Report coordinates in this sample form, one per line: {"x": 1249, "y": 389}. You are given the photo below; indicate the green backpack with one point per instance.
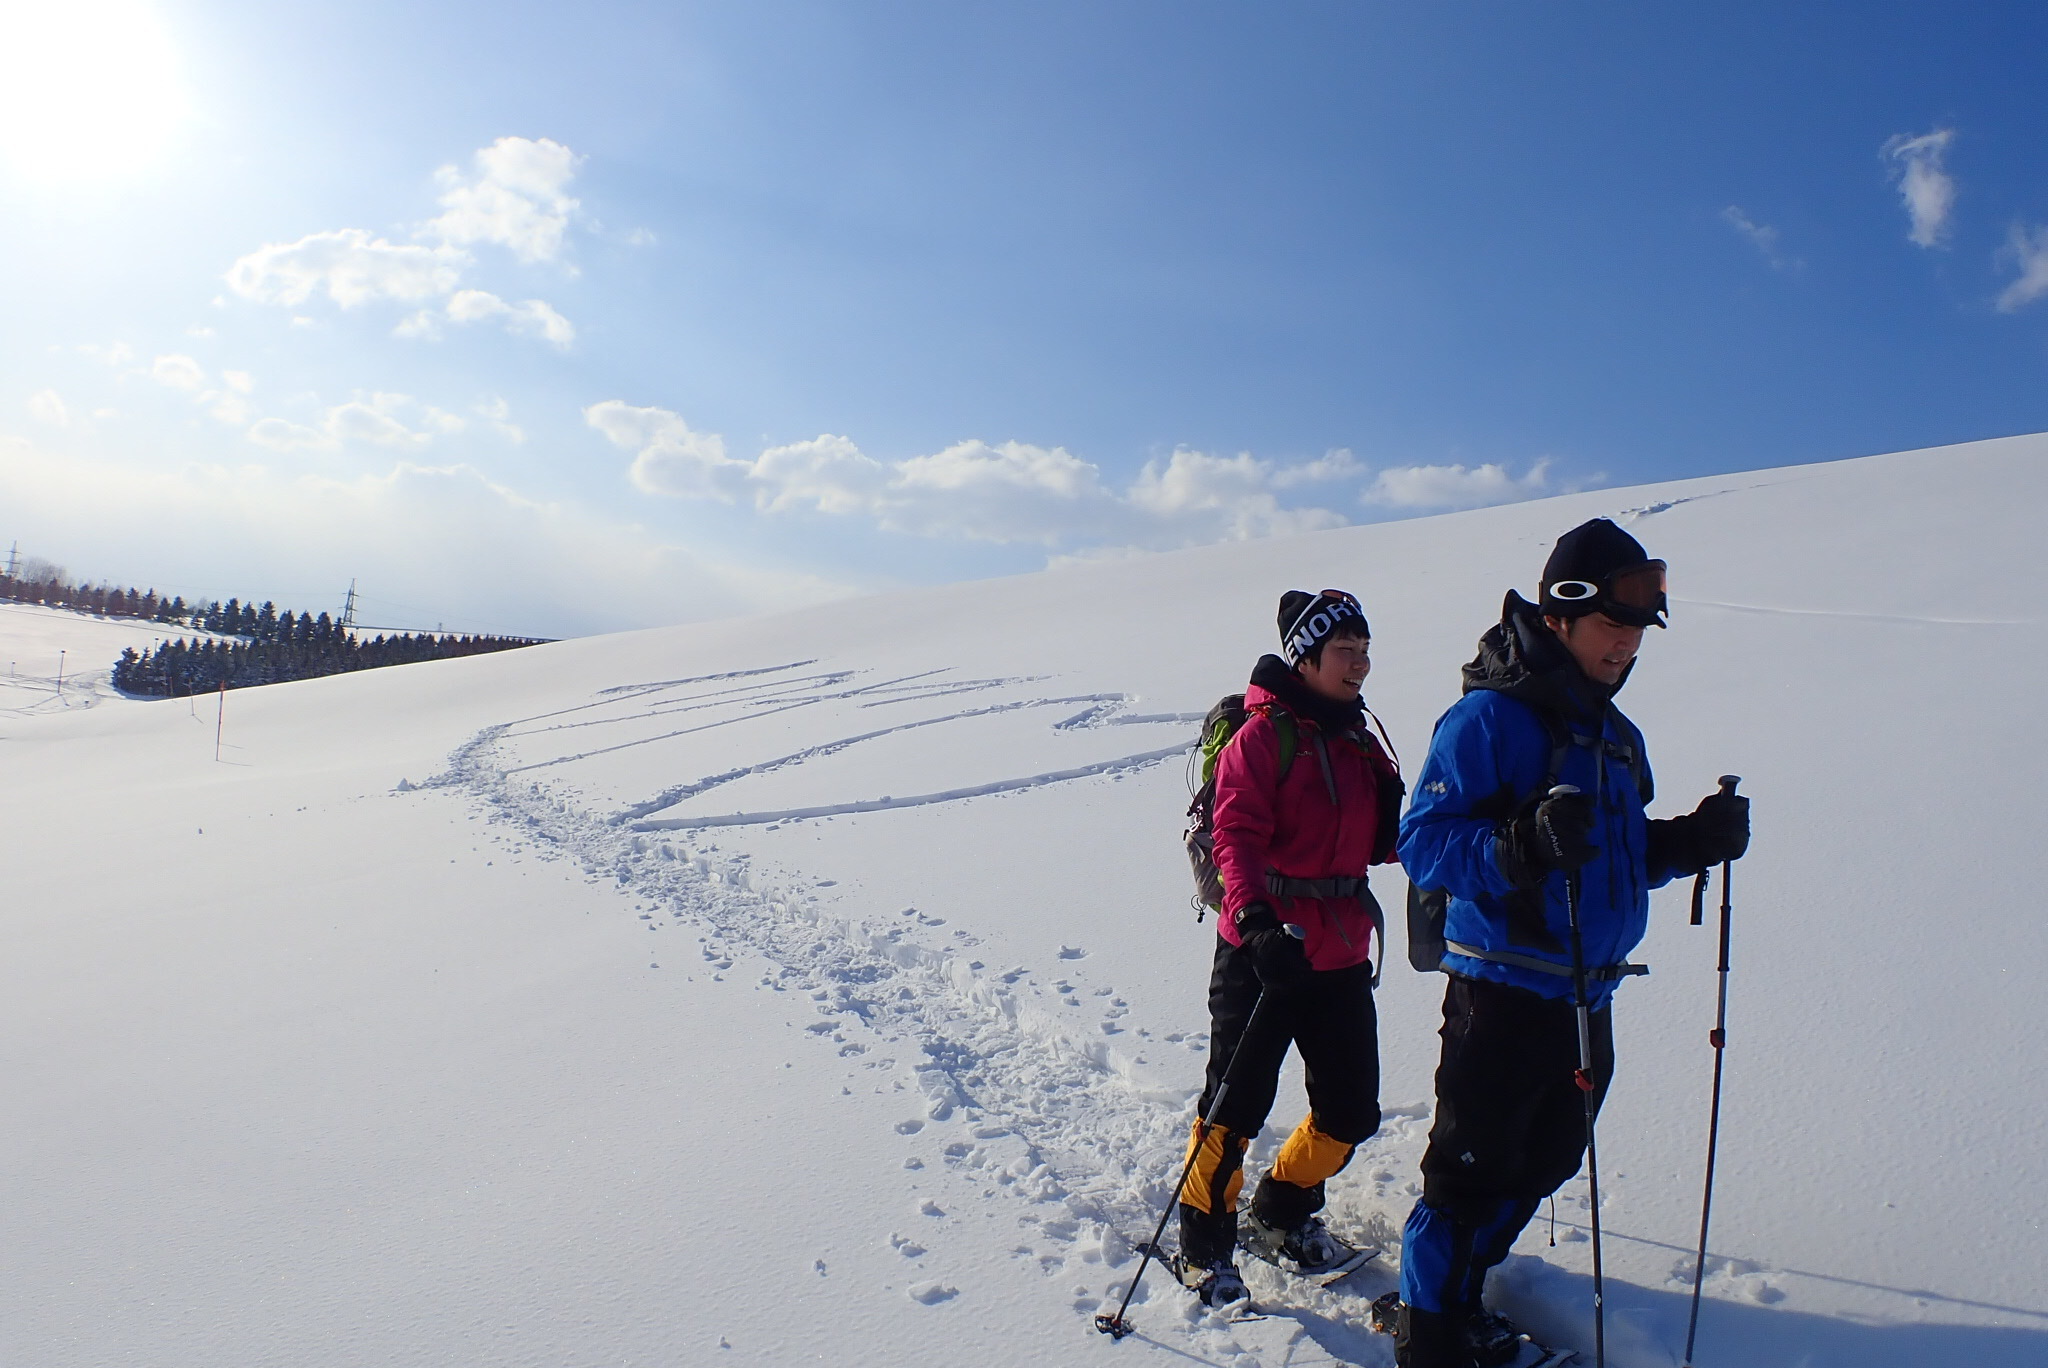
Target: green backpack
{"x": 1223, "y": 722}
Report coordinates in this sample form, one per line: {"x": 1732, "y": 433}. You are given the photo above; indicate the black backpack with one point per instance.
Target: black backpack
{"x": 1427, "y": 907}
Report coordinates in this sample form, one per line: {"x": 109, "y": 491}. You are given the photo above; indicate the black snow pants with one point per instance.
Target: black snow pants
{"x": 1510, "y": 1130}
{"x": 1331, "y": 1019}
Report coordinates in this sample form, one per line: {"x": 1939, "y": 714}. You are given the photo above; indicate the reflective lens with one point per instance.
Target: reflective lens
{"x": 1642, "y": 587}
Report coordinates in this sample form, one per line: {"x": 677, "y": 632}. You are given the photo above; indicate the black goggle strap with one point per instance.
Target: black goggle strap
{"x": 1634, "y": 596}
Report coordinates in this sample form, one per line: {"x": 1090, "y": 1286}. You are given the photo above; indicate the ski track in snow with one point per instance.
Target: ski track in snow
{"x": 1084, "y": 1154}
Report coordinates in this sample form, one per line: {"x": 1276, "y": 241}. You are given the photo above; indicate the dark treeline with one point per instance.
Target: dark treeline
{"x": 275, "y": 646}
{"x": 175, "y": 668}
{"x": 107, "y": 601}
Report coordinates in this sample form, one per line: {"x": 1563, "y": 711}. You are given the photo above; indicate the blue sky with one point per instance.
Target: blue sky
{"x": 552, "y": 319}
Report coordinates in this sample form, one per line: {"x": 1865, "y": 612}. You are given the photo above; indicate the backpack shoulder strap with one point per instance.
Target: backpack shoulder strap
{"x": 1285, "y": 732}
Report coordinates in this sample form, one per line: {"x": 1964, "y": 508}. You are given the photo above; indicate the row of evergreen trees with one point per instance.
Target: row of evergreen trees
{"x": 274, "y": 646}
{"x": 233, "y": 618}
{"x": 175, "y": 668}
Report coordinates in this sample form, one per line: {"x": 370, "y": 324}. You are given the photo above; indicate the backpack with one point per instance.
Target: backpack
{"x": 1223, "y": 722}
{"x": 1428, "y": 907}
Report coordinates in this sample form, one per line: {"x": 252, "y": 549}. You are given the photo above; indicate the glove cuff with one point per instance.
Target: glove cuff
{"x": 1256, "y": 916}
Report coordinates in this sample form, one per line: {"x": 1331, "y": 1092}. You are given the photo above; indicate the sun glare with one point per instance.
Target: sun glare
{"x": 89, "y": 89}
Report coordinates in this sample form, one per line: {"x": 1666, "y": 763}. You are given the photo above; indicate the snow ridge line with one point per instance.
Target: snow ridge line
{"x": 1095, "y": 1144}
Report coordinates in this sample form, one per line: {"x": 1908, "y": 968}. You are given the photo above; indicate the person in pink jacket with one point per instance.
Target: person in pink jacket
{"x": 1306, "y": 801}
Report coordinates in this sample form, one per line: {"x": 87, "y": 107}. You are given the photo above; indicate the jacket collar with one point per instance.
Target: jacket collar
{"x": 1521, "y": 657}
{"x": 1273, "y": 680}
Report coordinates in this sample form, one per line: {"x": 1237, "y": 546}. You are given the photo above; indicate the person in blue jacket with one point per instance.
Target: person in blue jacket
{"x": 1538, "y": 711}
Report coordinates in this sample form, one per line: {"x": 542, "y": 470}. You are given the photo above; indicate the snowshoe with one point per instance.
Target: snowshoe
{"x": 1308, "y": 1250}
{"x": 1218, "y": 1284}
{"x": 1492, "y": 1339}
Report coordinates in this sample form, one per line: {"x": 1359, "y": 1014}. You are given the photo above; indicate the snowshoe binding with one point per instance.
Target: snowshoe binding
{"x": 1218, "y": 1284}
{"x": 1308, "y": 1250}
{"x": 1491, "y": 1339}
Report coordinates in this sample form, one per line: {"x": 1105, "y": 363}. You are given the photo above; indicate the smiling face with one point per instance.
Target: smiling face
{"x": 1602, "y": 646}
{"x": 1339, "y": 669}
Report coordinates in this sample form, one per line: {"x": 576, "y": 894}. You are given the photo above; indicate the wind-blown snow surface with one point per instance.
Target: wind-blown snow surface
{"x": 823, "y": 988}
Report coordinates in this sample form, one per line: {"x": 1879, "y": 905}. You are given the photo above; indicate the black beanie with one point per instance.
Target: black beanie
{"x": 1305, "y": 619}
{"x": 1592, "y": 551}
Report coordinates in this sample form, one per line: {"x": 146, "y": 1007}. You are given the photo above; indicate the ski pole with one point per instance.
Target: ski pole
{"x": 1718, "y": 1038}
{"x": 1116, "y": 1327}
{"x": 1584, "y": 1078}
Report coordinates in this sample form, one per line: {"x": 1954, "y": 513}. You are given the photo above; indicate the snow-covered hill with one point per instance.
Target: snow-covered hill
{"x": 823, "y": 988}
{"x": 56, "y": 660}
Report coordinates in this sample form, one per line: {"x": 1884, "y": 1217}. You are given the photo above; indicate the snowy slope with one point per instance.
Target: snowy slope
{"x": 56, "y": 660}
{"x": 822, "y": 988}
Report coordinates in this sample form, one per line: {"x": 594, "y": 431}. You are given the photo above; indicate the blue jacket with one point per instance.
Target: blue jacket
{"x": 1490, "y": 755}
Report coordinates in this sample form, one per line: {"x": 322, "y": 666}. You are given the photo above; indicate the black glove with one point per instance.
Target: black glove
{"x": 1391, "y": 792}
{"x": 1277, "y": 956}
{"x": 1716, "y": 830}
{"x": 1547, "y": 834}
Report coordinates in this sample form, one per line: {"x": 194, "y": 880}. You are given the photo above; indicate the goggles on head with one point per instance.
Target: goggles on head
{"x": 1318, "y": 620}
{"x": 1633, "y": 597}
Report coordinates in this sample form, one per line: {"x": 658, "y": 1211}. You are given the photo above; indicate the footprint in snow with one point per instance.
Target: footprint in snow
{"x": 931, "y": 1293}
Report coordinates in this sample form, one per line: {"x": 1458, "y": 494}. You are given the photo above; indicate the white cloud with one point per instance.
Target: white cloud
{"x": 1331, "y": 467}
{"x": 1226, "y": 498}
{"x": 241, "y": 382}
{"x": 393, "y": 420}
{"x": 828, "y": 474}
{"x": 349, "y": 266}
{"x": 1456, "y": 486}
{"x": 481, "y": 555}
{"x": 498, "y": 414}
{"x": 1014, "y": 492}
{"x": 278, "y": 435}
{"x": 1926, "y": 187}
{"x": 115, "y": 354}
{"x": 514, "y": 199}
{"x": 227, "y": 406}
{"x": 375, "y": 419}
{"x": 1761, "y": 236}
{"x": 533, "y": 318}
{"x": 358, "y": 421}
{"x": 47, "y": 406}
{"x": 178, "y": 372}
{"x": 671, "y": 458}
{"x": 2028, "y": 249}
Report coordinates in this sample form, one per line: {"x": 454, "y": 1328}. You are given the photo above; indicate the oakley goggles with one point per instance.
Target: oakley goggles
{"x": 1633, "y": 596}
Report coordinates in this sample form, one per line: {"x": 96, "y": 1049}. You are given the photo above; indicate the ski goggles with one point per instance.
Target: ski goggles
{"x": 1318, "y": 620}
{"x": 1633, "y": 597}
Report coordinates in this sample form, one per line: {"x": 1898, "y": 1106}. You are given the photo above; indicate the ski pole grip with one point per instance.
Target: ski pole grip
{"x": 1562, "y": 791}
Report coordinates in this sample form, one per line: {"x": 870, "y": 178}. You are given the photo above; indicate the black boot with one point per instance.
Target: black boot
{"x": 1431, "y": 1339}
{"x": 1207, "y": 1239}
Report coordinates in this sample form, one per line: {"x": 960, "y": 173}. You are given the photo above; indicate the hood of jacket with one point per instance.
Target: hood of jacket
{"x": 1274, "y": 681}
{"x": 1521, "y": 657}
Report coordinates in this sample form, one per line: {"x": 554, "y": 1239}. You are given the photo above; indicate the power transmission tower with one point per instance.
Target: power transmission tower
{"x": 13, "y": 559}
{"x": 348, "y": 609}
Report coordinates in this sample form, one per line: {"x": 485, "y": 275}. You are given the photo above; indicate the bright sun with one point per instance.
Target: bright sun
{"x": 89, "y": 89}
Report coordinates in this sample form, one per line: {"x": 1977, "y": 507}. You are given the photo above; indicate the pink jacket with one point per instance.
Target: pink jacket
{"x": 1264, "y": 822}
